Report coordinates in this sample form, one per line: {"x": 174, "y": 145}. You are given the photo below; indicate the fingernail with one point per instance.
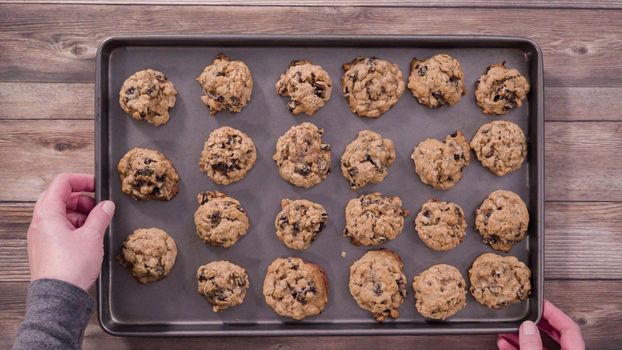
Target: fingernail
{"x": 108, "y": 207}
{"x": 529, "y": 328}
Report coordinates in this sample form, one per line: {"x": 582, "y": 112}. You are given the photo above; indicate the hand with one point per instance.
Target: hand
{"x": 554, "y": 322}
{"x": 65, "y": 238}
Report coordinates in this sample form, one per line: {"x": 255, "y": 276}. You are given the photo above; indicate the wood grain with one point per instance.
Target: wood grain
{"x": 583, "y": 160}
{"x": 60, "y": 45}
{"x": 46, "y": 101}
{"x": 581, "y": 4}
{"x": 76, "y": 101}
{"x": 582, "y": 241}
{"x": 32, "y": 152}
{"x": 596, "y": 322}
{"x": 583, "y": 103}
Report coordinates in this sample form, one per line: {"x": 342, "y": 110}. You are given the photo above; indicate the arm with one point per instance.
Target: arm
{"x": 65, "y": 251}
{"x": 56, "y": 315}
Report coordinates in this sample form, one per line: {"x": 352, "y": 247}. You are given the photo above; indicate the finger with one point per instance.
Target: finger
{"x": 76, "y": 219}
{"x": 512, "y": 338}
{"x": 63, "y": 186}
{"x": 529, "y": 336}
{"x": 545, "y": 326}
{"x": 504, "y": 344}
{"x": 81, "y": 203}
{"x": 38, "y": 204}
{"x": 99, "y": 218}
{"x": 570, "y": 333}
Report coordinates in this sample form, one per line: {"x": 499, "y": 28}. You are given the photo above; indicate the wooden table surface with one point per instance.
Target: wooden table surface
{"x": 47, "y": 73}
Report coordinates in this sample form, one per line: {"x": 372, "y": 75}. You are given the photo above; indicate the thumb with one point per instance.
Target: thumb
{"x": 529, "y": 336}
{"x": 99, "y": 218}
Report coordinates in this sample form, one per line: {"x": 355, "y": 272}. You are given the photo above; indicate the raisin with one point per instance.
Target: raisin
{"x": 377, "y": 289}
{"x": 233, "y": 101}
{"x": 296, "y": 227}
{"x": 215, "y": 218}
{"x": 368, "y": 158}
{"x": 220, "y": 98}
{"x": 439, "y": 97}
{"x": 149, "y": 90}
{"x": 496, "y": 98}
{"x": 456, "y": 156}
{"x": 455, "y": 134}
{"x": 161, "y": 178}
{"x": 130, "y": 91}
{"x": 422, "y": 71}
{"x": 319, "y": 90}
{"x": 282, "y": 221}
{"x": 144, "y": 172}
{"x": 303, "y": 170}
{"x": 353, "y": 172}
{"x": 240, "y": 281}
{"x": 149, "y": 161}
{"x": 427, "y": 214}
{"x": 155, "y": 191}
{"x": 454, "y": 80}
{"x": 203, "y": 198}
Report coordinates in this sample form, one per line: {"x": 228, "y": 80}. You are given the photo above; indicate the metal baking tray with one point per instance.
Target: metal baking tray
{"x": 172, "y": 306}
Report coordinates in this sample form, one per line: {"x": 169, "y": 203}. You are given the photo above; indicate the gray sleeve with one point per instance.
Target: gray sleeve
{"x": 57, "y": 313}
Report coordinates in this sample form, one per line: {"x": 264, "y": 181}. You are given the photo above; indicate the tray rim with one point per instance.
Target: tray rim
{"x": 107, "y": 322}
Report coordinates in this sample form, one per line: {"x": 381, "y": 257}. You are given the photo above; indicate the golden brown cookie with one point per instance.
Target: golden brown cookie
{"x": 436, "y": 81}
{"x": 148, "y": 254}
{"x": 500, "y": 146}
{"x": 223, "y": 284}
{"x": 441, "y": 164}
{"x": 378, "y": 284}
{"x": 303, "y": 160}
{"x": 366, "y": 159}
{"x": 500, "y": 89}
{"x": 371, "y": 86}
{"x": 299, "y": 223}
{"x": 502, "y": 220}
{"x": 295, "y": 288}
{"x": 148, "y": 95}
{"x": 220, "y": 220}
{"x": 228, "y": 154}
{"x": 373, "y": 219}
{"x": 307, "y": 85}
{"x": 441, "y": 225}
{"x": 227, "y": 84}
{"x": 147, "y": 174}
{"x": 440, "y": 292}
{"x": 498, "y": 281}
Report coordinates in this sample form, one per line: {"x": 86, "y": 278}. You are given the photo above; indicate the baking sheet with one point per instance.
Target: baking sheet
{"x": 172, "y": 306}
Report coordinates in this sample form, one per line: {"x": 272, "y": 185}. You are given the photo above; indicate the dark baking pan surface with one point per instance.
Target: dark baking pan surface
{"x": 172, "y": 306}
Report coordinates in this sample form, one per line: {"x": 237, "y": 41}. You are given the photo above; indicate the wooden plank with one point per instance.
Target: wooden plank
{"x": 48, "y": 48}
{"x": 599, "y": 322}
{"x": 32, "y": 152}
{"x": 75, "y": 101}
{"x": 583, "y": 161}
{"x": 582, "y": 240}
{"x": 583, "y": 103}
{"x": 46, "y": 101}
{"x": 607, "y": 4}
